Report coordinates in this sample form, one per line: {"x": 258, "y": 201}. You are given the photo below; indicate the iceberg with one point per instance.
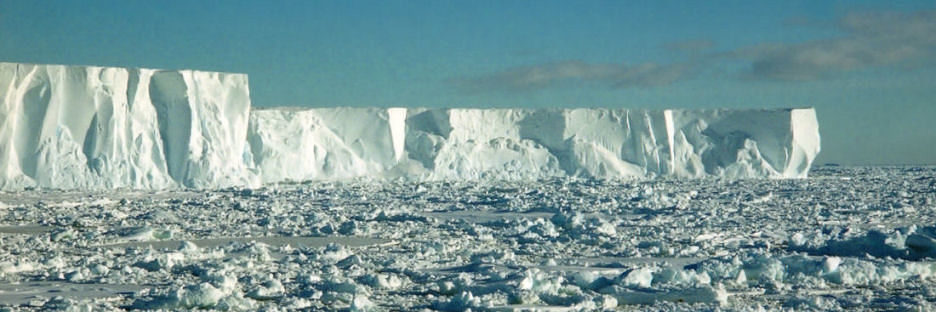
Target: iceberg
{"x": 293, "y": 144}
{"x": 77, "y": 127}
{"x": 742, "y": 143}
{"x": 88, "y": 127}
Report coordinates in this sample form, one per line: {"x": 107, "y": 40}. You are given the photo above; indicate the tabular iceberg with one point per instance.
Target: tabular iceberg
{"x": 446, "y": 144}
{"x": 95, "y": 127}
{"x": 292, "y": 144}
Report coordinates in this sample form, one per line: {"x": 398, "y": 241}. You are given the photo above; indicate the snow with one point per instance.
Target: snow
{"x": 89, "y": 127}
{"x": 562, "y": 244}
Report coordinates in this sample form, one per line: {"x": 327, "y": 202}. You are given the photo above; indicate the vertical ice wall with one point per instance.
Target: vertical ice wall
{"x": 293, "y": 144}
{"x": 532, "y": 143}
{"x": 94, "y": 127}
{"x": 804, "y": 143}
{"x": 317, "y": 144}
{"x": 743, "y": 143}
{"x": 613, "y": 143}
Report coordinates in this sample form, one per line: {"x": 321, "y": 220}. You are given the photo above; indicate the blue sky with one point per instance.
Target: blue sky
{"x": 869, "y": 67}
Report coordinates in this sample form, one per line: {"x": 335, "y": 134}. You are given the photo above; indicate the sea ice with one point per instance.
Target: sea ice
{"x": 482, "y": 245}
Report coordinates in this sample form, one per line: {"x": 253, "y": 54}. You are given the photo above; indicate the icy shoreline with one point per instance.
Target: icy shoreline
{"x": 86, "y": 127}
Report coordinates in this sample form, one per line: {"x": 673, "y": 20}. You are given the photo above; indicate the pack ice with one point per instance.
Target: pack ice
{"x": 99, "y": 127}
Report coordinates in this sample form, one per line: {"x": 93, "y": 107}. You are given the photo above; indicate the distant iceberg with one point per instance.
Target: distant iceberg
{"x": 86, "y": 127}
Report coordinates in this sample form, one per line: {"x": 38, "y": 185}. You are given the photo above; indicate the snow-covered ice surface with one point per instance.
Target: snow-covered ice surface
{"x": 847, "y": 238}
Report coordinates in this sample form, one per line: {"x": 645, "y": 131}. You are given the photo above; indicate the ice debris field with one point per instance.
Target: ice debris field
{"x": 844, "y": 239}
{"x": 139, "y": 189}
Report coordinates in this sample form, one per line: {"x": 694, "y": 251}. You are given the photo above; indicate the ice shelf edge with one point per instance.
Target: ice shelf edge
{"x": 88, "y": 127}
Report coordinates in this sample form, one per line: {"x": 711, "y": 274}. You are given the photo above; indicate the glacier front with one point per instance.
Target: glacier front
{"x": 88, "y": 127}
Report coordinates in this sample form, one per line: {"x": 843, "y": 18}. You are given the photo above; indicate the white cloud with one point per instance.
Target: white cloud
{"x": 534, "y": 77}
{"x": 869, "y": 39}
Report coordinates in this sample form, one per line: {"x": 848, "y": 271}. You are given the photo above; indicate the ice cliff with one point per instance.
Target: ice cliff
{"x": 291, "y": 144}
{"x": 95, "y": 127}
{"x": 445, "y": 144}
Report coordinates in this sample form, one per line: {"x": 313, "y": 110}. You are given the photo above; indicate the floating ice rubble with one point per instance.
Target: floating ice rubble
{"x": 561, "y": 244}
{"x": 86, "y": 127}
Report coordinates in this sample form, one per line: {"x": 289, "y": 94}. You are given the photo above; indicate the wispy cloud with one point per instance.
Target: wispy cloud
{"x": 870, "y": 39}
{"x": 904, "y": 40}
{"x": 540, "y": 76}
